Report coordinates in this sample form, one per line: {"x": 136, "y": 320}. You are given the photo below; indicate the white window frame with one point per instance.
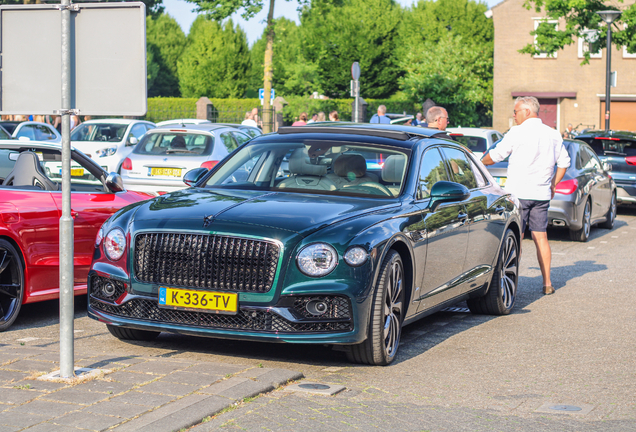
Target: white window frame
{"x": 625, "y": 53}
{"x": 537, "y": 22}
{"x": 584, "y": 46}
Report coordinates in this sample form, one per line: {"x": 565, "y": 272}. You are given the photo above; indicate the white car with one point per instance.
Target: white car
{"x": 109, "y": 141}
{"x": 182, "y": 121}
{"x": 36, "y": 131}
{"x": 477, "y": 140}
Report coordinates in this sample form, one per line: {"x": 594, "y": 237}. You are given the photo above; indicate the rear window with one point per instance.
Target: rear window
{"x": 175, "y": 144}
{"x": 475, "y": 144}
{"x": 618, "y": 147}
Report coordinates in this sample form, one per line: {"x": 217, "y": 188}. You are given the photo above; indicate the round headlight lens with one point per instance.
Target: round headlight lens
{"x": 317, "y": 259}
{"x": 356, "y": 256}
{"x": 115, "y": 244}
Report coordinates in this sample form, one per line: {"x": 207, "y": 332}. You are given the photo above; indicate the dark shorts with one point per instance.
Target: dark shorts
{"x": 534, "y": 215}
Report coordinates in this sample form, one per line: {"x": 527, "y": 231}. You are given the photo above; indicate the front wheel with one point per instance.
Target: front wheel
{"x": 132, "y": 334}
{"x": 11, "y": 284}
{"x": 583, "y": 234}
{"x": 387, "y": 315}
{"x": 502, "y": 293}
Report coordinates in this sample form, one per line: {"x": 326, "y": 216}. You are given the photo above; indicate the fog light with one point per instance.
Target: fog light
{"x": 109, "y": 289}
{"x": 316, "y": 307}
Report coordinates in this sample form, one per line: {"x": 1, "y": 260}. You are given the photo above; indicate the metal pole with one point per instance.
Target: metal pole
{"x": 67, "y": 360}
{"x": 356, "y": 88}
{"x": 608, "y": 73}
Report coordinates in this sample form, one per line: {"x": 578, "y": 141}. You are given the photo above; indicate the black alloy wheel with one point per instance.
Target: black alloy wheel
{"x": 387, "y": 315}
{"x": 123, "y": 333}
{"x": 11, "y": 284}
{"x": 610, "y": 217}
{"x": 502, "y": 293}
{"x": 583, "y": 234}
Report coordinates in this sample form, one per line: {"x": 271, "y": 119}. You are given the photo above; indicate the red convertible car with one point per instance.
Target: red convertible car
{"x": 30, "y": 210}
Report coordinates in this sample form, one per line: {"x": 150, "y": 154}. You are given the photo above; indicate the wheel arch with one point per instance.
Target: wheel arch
{"x": 400, "y": 245}
{"x": 17, "y": 247}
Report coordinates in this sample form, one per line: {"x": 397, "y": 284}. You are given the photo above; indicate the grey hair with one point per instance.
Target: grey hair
{"x": 434, "y": 113}
{"x": 530, "y": 102}
{"x": 382, "y": 109}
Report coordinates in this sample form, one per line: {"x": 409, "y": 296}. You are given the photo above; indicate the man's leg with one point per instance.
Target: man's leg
{"x": 544, "y": 255}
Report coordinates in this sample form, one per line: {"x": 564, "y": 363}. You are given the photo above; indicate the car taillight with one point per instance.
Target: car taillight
{"x": 127, "y": 165}
{"x": 607, "y": 138}
{"x": 567, "y": 187}
{"x": 209, "y": 164}
{"x": 631, "y": 160}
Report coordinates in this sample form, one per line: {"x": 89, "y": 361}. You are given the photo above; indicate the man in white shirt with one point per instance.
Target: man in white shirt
{"x": 534, "y": 149}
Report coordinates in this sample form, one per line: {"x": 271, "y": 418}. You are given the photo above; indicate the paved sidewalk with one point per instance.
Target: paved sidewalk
{"x": 138, "y": 394}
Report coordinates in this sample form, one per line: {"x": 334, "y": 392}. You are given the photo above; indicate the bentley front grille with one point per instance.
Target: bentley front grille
{"x": 206, "y": 261}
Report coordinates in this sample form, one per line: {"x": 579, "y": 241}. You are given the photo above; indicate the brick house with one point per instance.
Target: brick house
{"x": 567, "y": 91}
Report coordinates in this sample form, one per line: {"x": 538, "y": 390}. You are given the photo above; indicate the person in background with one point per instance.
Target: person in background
{"x": 568, "y": 134}
{"x": 418, "y": 120}
{"x": 56, "y": 122}
{"x": 313, "y": 119}
{"x": 256, "y": 118}
{"x": 333, "y": 116}
{"x": 437, "y": 118}
{"x": 321, "y": 117}
{"x": 534, "y": 149}
{"x": 249, "y": 119}
{"x": 380, "y": 117}
{"x": 75, "y": 121}
{"x": 302, "y": 120}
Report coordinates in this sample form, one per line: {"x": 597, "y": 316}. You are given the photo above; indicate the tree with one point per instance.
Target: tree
{"x": 456, "y": 75}
{"x": 166, "y": 41}
{"x": 216, "y": 62}
{"x": 219, "y": 10}
{"x": 579, "y": 16}
{"x": 336, "y": 35}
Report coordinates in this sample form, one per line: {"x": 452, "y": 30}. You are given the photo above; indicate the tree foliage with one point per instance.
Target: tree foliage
{"x": 216, "y": 62}
{"x": 165, "y": 43}
{"x": 579, "y": 16}
{"x": 462, "y": 85}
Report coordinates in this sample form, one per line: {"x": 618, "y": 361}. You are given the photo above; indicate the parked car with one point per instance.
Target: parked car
{"x": 586, "y": 196}
{"x": 335, "y": 253}
{"x": 252, "y": 131}
{"x": 109, "y": 141}
{"x": 184, "y": 121}
{"x": 30, "y": 130}
{"x": 618, "y": 149}
{"x": 4, "y": 134}
{"x": 30, "y": 208}
{"x": 9, "y": 125}
{"x": 477, "y": 140}
{"x": 162, "y": 158}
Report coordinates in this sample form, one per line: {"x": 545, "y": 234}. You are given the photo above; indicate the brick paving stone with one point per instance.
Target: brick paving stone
{"x": 45, "y": 408}
{"x": 9, "y": 428}
{"x": 102, "y": 386}
{"x": 117, "y": 409}
{"x": 131, "y": 378}
{"x": 103, "y": 361}
{"x": 30, "y": 366}
{"x": 49, "y": 356}
{"x": 7, "y": 377}
{"x": 188, "y": 416}
{"x": 237, "y": 388}
{"x": 76, "y": 396}
{"x": 145, "y": 399}
{"x": 90, "y": 421}
{"x": 17, "y": 396}
{"x": 157, "y": 367}
{"x": 168, "y": 388}
{"x": 216, "y": 368}
{"x": 41, "y": 386}
{"x": 193, "y": 378}
{"x": 24, "y": 351}
{"x": 52, "y": 427}
{"x": 274, "y": 377}
{"x": 21, "y": 420}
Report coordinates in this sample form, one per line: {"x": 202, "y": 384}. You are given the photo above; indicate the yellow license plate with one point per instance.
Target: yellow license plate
{"x": 501, "y": 181}
{"x": 77, "y": 172}
{"x": 207, "y": 301}
{"x": 170, "y": 172}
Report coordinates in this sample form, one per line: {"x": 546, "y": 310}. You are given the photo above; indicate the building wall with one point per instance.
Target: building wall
{"x": 515, "y": 72}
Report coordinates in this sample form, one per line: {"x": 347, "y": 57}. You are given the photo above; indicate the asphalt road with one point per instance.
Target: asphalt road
{"x": 574, "y": 350}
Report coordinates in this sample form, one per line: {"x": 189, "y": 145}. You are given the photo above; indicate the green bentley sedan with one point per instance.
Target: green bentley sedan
{"x": 335, "y": 234}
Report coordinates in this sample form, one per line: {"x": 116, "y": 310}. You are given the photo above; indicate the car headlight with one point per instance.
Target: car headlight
{"x": 106, "y": 152}
{"x": 115, "y": 244}
{"x": 317, "y": 259}
{"x": 100, "y": 236}
{"x": 356, "y": 256}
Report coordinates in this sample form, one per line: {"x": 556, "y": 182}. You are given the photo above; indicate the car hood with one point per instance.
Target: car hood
{"x": 251, "y": 212}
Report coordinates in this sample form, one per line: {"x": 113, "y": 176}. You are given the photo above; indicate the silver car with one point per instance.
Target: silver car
{"x": 477, "y": 140}
{"x": 161, "y": 159}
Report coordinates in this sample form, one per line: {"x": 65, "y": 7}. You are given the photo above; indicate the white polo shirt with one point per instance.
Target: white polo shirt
{"x": 534, "y": 149}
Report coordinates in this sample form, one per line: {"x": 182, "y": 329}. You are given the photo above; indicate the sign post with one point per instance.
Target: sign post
{"x": 355, "y": 90}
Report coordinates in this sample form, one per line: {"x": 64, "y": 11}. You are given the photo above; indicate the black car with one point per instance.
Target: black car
{"x": 618, "y": 149}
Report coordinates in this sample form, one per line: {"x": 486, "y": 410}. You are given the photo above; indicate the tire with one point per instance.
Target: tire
{"x": 11, "y": 284}
{"x": 583, "y": 234}
{"x": 387, "y": 315}
{"x": 611, "y": 214}
{"x": 502, "y": 293}
{"x": 132, "y": 334}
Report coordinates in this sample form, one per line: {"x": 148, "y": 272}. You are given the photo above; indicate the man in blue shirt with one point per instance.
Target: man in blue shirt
{"x": 380, "y": 117}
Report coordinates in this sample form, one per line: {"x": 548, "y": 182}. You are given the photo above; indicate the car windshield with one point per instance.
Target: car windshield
{"x": 175, "y": 144}
{"x": 112, "y": 132}
{"x": 475, "y": 144}
{"x": 313, "y": 166}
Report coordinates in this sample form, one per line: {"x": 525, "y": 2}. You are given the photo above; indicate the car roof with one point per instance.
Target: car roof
{"x": 472, "y": 131}
{"x": 205, "y": 127}
{"x": 39, "y": 145}
{"x": 607, "y": 134}
{"x": 115, "y": 121}
{"x": 395, "y": 132}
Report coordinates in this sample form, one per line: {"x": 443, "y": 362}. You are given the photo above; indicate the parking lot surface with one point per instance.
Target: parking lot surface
{"x": 565, "y": 362}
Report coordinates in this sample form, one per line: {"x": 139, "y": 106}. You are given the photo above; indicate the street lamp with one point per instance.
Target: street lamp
{"x": 609, "y": 16}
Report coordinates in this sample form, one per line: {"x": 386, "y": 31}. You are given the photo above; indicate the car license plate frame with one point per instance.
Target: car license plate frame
{"x": 192, "y": 300}
{"x": 168, "y": 172}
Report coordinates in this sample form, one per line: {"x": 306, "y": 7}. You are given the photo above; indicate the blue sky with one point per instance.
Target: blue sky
{"x": 181, "y": 10}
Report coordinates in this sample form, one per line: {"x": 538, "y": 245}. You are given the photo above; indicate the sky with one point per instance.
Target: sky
{"x": 181, "y": 10}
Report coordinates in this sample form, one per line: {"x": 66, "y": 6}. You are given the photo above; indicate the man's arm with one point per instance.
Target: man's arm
{"x": 560, "y": 172}
{"x": 487, "y": 160}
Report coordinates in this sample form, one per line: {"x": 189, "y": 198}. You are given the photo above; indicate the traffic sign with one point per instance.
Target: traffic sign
{"x": 355, "y": 71}
{"x": 261, "y": 94}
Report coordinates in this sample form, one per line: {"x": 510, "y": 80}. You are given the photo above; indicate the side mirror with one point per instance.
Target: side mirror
{"x": 192, "y": 177}
{"x": 444, "y": 191}
{"x": 114, "y": 182}
{"x": 132, "y": 141}
{"x": 607, "y": 166}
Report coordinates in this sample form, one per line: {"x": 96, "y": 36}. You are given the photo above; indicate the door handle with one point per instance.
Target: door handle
{"x": 462, "y": 216}
{"x": 499, "y": 210}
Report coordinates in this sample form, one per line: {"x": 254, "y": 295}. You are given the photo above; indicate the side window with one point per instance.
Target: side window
{"x": 43, "y": 133}
{"x": 138, "y": 130}
{"x": 460, "y": 167}
{"x": 583, "y": 159}
{"x": 228, "y": 141}
{"x": 27, "y": 131}
{"x": 494, "y": 137}
{"x": 479, "y": 176}
{"x": 240, "y": 138}
{"x": 594, "y": 163}
{"x": 432, "y": 170}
